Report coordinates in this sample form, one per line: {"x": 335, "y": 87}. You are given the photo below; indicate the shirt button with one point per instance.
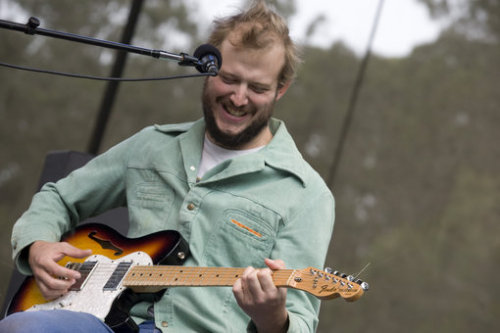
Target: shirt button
{"x": 191, "y": 206}
{"x": 192, "y": 167}
{"x": 164, "y": 324}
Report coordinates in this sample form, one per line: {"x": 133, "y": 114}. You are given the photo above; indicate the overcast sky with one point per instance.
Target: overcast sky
{"x": 403, "y": 24}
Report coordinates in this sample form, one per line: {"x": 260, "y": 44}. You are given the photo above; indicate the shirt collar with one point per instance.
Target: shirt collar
{"x": 281, "y": 153}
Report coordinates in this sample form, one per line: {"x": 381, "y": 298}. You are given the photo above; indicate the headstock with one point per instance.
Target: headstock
{"x": 327, "y": 284}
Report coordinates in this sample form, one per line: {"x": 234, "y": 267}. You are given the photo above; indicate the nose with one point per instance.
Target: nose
{"x": 239, "y": 96}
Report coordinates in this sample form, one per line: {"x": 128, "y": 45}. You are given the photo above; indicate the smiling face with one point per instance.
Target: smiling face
{"x": 238, "y": 103}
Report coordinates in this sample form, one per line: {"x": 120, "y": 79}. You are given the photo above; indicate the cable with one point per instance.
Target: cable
{"x": 101, "y": 78}
{"x": 354, "y": 98}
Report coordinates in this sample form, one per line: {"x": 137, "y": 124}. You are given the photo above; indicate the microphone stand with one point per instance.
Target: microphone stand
{"x": 32, "y": 28}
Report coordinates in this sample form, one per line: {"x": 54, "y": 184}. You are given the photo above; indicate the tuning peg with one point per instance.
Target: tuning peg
{"x": 365, "y": 286}
{"x": 328, "y": 270}
{"x": 350, "y": 278}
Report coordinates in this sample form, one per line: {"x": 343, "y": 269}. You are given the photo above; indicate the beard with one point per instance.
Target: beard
{"x": 234, "y": 141}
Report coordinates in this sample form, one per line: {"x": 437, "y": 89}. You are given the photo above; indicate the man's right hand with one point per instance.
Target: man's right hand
{"x": 52, "y": 279}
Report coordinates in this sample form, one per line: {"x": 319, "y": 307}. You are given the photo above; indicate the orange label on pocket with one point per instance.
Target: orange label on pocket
{"x": 258, "y": 234}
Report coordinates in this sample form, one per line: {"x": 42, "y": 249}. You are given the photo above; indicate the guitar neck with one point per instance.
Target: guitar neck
{"x": 119, "y": 263}
{"x": 154, "y": 278}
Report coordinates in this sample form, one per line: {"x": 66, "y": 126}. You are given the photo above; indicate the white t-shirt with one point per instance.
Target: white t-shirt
{"x": 213, "y": 155}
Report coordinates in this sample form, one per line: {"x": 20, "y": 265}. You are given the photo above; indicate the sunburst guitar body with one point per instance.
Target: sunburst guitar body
{"x": 123, "y": 271}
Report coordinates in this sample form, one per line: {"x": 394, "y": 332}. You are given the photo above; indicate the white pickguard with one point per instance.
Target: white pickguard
{"x": 92, "y": 298}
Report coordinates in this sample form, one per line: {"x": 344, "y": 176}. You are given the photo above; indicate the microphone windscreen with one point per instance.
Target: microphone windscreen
{"x": 207, "y": 50}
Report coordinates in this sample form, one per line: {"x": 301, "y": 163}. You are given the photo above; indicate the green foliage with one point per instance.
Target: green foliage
{"x": 476, "y": 18}
{"x": 417, "y": 193}
{"x": 417, "y": 188}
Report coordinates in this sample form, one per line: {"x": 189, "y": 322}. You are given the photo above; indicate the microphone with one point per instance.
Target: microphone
{"x": 209, "y": 59}
{"x": 206, "y": 58}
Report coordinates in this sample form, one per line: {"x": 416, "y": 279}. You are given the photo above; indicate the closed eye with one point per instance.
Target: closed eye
{"x": 229, "y": 79}
{"x": 259, "y": 89}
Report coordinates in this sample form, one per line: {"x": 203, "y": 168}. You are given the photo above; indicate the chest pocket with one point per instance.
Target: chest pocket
{"x": 146, "y": 189}
{"x": 152, "y": 195}
{"x": 150, "y": 202}
{"x": 242, "y": 238}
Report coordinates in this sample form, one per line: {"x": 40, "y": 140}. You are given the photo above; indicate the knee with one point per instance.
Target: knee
{"x": 21, "y": 322}
{"x": 52, "y": 321}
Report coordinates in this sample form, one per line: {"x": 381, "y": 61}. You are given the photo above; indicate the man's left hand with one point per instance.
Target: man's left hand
{"x": 257, "y": 295}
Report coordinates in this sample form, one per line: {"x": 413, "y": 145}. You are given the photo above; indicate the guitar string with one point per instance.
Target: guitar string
{"x": 204, "y": 276}
{"x": 193, "y": 276}
{"x": 188, "y": 275}
{"x": 183, "y": 275}
{"x": 185, "y": 272}
{"x": 362, "y": 270}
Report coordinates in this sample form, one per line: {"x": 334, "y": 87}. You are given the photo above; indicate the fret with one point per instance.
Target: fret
{"x": 106, "y": 274}
{"x": 171, "y": 276}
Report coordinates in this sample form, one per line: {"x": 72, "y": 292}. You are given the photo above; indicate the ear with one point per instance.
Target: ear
{"x": 282, "y": 90}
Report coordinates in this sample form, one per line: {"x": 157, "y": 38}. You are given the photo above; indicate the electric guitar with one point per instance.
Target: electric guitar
{"x": 123, "y": 271}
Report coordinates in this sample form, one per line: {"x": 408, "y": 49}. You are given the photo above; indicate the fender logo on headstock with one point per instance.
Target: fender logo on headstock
{"x": 326, "y": 285}
{"x": 329, "y": 289}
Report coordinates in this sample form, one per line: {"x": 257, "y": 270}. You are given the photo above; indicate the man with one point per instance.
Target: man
{"x": 233, "y": 184}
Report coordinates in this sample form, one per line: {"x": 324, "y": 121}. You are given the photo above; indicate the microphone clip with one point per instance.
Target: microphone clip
{"x": 187, "y": 60}
{"x": 31, "y": 26}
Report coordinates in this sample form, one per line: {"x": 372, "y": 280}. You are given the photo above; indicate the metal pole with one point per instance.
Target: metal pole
{"x": 353, "y": 100}
{"x": 112, "y": 86}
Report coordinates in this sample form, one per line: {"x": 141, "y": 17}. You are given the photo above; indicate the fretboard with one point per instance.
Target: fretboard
{"x": 153, "y": 278}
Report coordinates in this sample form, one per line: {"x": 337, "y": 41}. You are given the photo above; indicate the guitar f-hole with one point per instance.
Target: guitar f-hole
{"x": 105, "y": 244}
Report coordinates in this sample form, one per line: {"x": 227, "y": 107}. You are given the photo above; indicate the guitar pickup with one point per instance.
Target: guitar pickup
{"x": 84, "y": 269}
{"x": 117, "y": 276}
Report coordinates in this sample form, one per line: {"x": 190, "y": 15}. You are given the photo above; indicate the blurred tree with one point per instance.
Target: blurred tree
{"x": 475, "y": 18}
{"x": 42, "y": 113}
{"x": 414, "y": 194}
{"x": 418, "y": 185}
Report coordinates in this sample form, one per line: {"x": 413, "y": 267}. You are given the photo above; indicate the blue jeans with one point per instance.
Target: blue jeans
{"x": 60, "y": 321}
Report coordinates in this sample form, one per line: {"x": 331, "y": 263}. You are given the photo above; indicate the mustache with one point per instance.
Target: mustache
{"x": 226, "y": 102}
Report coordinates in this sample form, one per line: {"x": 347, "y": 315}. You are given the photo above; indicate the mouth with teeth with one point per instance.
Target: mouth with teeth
{"x": 234, "y": 111}
{"x": 232, "y": 126}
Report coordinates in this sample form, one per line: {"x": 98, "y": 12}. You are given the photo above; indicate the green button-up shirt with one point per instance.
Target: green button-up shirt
{"x": 283, "y": 208}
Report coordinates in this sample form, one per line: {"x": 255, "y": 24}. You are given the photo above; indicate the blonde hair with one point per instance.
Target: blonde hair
{"x": 259, "y": 27}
